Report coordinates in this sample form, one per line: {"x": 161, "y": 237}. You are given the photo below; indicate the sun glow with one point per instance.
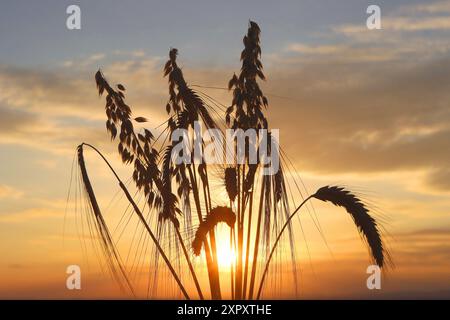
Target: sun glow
{"x": 226, "y": 256}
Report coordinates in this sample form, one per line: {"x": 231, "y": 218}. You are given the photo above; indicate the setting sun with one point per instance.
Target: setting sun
{"x": 226, "y": 256}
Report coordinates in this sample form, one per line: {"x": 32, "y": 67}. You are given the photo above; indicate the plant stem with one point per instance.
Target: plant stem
{"x": 258, "y": 228}
{"x": 232, "y": 264}
{"x": 141, "y": 217}
{"x": 249, "y": 228}
{"x": 215, "y": 293}
{"x": 212, "y": 239}
{"x": 275, "y": 245}
{"x": 191, "y": 268}
{"x": 240, "y": 238}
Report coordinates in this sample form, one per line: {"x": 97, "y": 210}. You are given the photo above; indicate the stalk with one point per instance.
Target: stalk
{"x": 212, "y": 234}
{"x": 239, "y": 236}
{"x": 215, "y": 289}
{"x": 207, "y": 195}
{"x": 247, "y": 256}
{"x": 191, "y": 268}
{"x": 266, "y": 268}
{"x": 255, "y": 251}
{"x": 232, "y": 265}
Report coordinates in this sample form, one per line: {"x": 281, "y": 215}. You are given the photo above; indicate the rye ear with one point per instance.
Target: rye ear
{"x": 216, "y": 215}
{"x": 108, "y": 246}
{"x": 365, "y": 223}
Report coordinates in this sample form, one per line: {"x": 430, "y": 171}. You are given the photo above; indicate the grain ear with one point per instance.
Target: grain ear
{"x": 107, "y": 244}
{"x": 215, "y": 216}
{"x": 231, "y": 182}
{"x": 365, "y": 223}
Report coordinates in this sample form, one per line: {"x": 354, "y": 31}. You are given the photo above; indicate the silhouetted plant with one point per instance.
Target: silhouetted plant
{"x": 259, "y": 209}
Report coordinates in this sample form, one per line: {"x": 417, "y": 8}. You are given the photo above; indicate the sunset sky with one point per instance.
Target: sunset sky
{"x": 368, "y": 109}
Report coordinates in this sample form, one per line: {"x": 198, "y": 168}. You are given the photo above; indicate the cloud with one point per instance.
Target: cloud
{"x": 92, "y": 61}
{"x": 429, "y": 247}
{"x": 9, "y": 192}
{"x": 67, "y": 63}
{"x": 138, "y": 53}
{"x": 363, "y": 117}
{"x": 355, "y": 107}
{"x": 47, "y": 93}
{"x": 375, "y": 101}
{"x": 439, "y": 180}
{"x": 303, "y": 48}
{"x": 97, "y": 56}
{"x": 51, "y": 134}
{"x": 72, "y": 92}
{"x": 61, "y": 107}
{"x": 430, "y": 7}
{"x": 410, "y": 18}
{"x": 408, "y": 24}
{"x": 409, "y": 33}
{"x": 428, "y": 232}
{"x": 14, "y": 119}
{"x": 349, "y": 52}
{"x": 29, "y": 215}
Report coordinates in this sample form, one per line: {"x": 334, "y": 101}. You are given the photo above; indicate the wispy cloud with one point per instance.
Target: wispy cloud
{"x": 9, "y": 192}
{"x": 56, "y": 106}
{"x": 439, "y": 180}
{"x": 30, "y": 215}
{"x": 307, "y": 49}
{"x": 439, "y": 7}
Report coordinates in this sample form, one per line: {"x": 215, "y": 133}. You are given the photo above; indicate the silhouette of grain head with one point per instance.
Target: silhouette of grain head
{"x": 231, "y": 183}
{"x": 133, "y": 147}
{"x": 278, "y": 188}
{"x": 108, "y": 246}
{"x": 366, "y": 224}
{"x": 248, "y": 99}
{"x": 216, "y": 215}
{"x": 170, "y": 200}
{"x": 250, "y": 177}
{"x": 181, "y": 96}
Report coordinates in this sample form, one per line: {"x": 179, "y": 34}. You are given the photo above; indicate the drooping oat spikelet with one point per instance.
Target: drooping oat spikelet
{"x": 133, "y": 147}
{"x": 181, "y": 95}
{"x": 355, "y": 207}
{"x": 216, "y": 215}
